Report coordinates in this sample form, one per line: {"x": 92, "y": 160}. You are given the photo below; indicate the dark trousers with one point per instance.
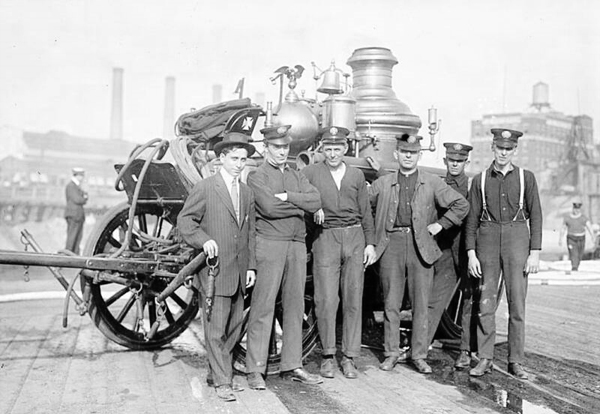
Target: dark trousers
{"x": 443, "y": 286}
{"x": 338, "y": 267}
{"x": 503, "y": 248}
{"x": 469, "y": 301}
{"x": 400, "y": 263}
{"x": 221, "y": 334}
{"x": 279, "y": 264}
{"x": 74, "y": 234}
{"x": 576, "y": 246}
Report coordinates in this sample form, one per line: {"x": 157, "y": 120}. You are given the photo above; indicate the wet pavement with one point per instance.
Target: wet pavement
{"x": 46, "y": 368}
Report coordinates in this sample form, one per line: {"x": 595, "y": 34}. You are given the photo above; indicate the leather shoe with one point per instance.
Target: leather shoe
{"x": 404, "y": 356}
{"x": 484, "y": 366}
{"x": 300, "y": 375}
{"x": 463, "y": 361}
{"x": 256, "y": 381}
{"x": 422, "y": 366}
{"x": 225, "y": 393}
{"x": 389, "y": 363}
{"x": 348, "y": 368}
{"x": 517, "y": 371}
{"x": 327, "y": 368}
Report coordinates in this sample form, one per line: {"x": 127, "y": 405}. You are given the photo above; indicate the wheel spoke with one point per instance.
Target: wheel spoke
{"x": 143, "y": 223}
{"x": 158, "y": 227}
{"x": 114, "y": 242}
{"x": 116, "y": 296}
{"x": 126, "y": 308}
{"x": 169, "y": 315}
{"x": 180, "y": 302}
{"x": 152, "y": 311}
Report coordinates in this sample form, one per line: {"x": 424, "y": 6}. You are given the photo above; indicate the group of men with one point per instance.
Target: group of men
{"x": 411, "y": 222}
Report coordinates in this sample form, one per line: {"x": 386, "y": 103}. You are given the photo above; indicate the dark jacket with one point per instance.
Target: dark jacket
{"x": 430, "y": 193}
{"x": 208, "y": 214}
{"x": 76, "y": 198}
{"x": 282, "y": 220}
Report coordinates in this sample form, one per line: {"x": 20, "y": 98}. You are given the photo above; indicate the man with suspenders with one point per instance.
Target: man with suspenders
{"x": 503, "y": 236}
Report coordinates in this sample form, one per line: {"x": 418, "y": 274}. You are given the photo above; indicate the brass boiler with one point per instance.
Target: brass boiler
{"x": 340, "y": 110}
{"x": 380, "y": 115}
{"x": 300, "y": 114}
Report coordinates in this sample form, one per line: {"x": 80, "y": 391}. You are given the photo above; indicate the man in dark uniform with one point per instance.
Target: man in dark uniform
{"x": 218, "y": 217}
{"x": 503, "y": 234}
{"x": 406, "y": 222}
{"x": 342, "y": 248}
{"x": 74, "y": 212}
{"x": 452, "y": 266}
{"x": 283, "y": 195}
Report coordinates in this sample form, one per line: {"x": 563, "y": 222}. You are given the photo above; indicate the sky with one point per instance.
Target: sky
{"x": 467, "y": 58}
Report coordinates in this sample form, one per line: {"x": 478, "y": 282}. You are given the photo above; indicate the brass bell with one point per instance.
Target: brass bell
{"x": 331, "y": 84}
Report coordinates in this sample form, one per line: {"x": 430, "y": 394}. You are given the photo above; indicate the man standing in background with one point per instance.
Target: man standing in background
{"x": 574, "y": 226}
{"x": 452, "y": 266}
{"x": 74, "y": 212}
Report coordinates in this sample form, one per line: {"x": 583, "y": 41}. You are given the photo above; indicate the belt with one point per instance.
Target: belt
{"x": 352, "y": 226}
{"x": 576, "y": 234}
{"x": 400, "y": 229}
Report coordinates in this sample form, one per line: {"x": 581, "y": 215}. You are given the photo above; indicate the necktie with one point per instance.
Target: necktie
{"x": 235, "y": 200}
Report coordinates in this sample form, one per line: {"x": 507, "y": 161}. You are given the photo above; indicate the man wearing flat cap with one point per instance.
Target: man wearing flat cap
{"x": 452, "y": 265}
{"x": 503, "y": 235}
{"x": 218, "y": 218}
{"x": 574, "y": 226}
{"x": 343, "y": 247}
{"x": 406, "y": 223}
{"x": 74, "y": 212}
{"x": 283, "y": 196}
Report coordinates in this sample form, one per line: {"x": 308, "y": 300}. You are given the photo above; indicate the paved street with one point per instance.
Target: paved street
{"x": 45, "y": 368}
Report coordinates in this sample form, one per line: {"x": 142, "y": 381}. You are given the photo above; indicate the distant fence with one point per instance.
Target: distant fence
{"x": 41, "y": 203}
{"x": 21, "y": 212}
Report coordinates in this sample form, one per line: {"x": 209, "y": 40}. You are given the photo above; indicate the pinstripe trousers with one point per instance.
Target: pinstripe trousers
{"x": 221, "y": 334}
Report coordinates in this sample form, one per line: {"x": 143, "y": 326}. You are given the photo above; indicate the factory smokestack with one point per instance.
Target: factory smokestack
{"x": 116, "y": 116}
{"x": 217, "y": 93}
{"x": 169, "y": 115}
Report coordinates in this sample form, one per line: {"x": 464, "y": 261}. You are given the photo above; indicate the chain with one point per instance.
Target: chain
{"x": 26, "y": 277}
{"x": 139, "y": 317}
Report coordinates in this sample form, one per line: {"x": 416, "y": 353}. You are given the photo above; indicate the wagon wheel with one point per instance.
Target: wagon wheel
{"x": 125, "y": 314}
{"x": 309, "y": 332}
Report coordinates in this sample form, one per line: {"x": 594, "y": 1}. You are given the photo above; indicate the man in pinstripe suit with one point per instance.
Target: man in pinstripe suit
{"x": 219, "y": 217}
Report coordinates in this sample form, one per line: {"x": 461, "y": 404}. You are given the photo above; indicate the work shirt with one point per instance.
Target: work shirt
{"x": 502, "y": 196}
{"x": 406, "y": 186}
{"x": 276, "y": 219}
{"x": 347, "y": 206}
{"x": 447, "y": 238}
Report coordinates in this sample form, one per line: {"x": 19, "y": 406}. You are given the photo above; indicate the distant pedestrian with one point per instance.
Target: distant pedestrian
{"x": 74, "y": 212}
{"x": 574, "y": 226}
{"x": 342, "y": 249}
{"x": 503, "y": 235}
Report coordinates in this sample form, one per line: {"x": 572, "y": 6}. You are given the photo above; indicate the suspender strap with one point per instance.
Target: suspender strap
{"x": 485, "y": 215}
{"x": 521, "y": 194}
